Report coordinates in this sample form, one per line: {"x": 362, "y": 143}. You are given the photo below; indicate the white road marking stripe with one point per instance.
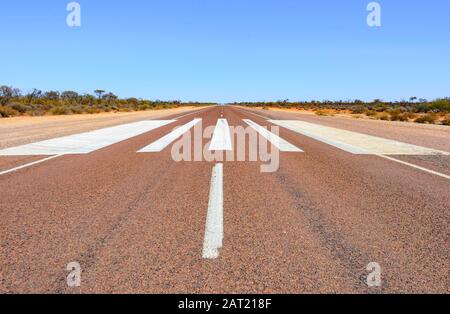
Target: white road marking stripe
{"x": 165, "y": 141}
{"x": 85, "y": 143}
{"x": 213, "y": 241}
{"x": 415, "y": 166}
{"x": 353, "y": 142}
{"x": 278, "y": 142}
{"x": 29, "y": 165}
{"x": 221, "y": 139}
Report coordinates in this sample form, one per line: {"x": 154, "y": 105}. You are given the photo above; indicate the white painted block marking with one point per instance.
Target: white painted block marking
{"x": 355, "y": 143}
{"x": 281, "y": 144}
{"x": 221, "y": 139}
{"x": 85, "y": 143}
{"x": 165, "y": 141}
{"x": 213, "y": 241}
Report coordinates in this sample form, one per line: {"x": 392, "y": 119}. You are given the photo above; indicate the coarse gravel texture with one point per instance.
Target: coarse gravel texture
{"x": 135, "y": 222}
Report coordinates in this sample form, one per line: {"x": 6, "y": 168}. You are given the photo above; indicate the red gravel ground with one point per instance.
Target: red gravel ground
{"x": 135, "y": 222}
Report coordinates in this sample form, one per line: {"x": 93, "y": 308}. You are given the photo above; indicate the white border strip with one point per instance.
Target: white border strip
{"x": 213, "y": 241}
{"x": 29, "y": 165}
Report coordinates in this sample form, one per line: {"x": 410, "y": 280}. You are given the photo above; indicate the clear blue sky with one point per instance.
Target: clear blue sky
{"x": 229, "y": 50}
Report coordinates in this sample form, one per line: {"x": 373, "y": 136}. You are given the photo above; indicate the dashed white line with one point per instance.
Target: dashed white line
{"x": 165, "y": 141}
{"x": 221, "y": 139}
{"x": 213, "y": 240}
{"x": 278, "y": 142}
{"x": 416, "y": 167}
{"x": 29, "y": 165}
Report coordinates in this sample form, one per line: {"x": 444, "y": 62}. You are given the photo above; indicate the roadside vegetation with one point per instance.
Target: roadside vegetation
{"x": 38, "y": 103}
{"x": 413, "y": 110}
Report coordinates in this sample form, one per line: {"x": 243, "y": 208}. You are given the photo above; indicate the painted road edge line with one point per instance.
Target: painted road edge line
{"x": 29, "y": 165}
{"x": 213, "y": 240}
{"x": 278, "y": 142}
{"x": 415, "y": 166}
{"x": 246, "y": 110}
{"x": 197, "y": 111}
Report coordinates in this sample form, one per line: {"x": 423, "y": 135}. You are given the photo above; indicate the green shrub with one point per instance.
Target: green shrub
{"x": 144, "y": 107}
{"x": 383, "y": 116}
{"x": 93, "y": 110}
{"x": 357, "y": 109}
{"x": 57, "y": 111}
{"x": 76, "y": 109}
{"x": 442, "y": 105}
{"x": 428, "y": 118}
{"x": 6, "y": 112}
{"x": 324, "y": 113}
{"x": 410, "y": 115}
{"x": 370, "y": 113}
{"x": 20, "y": 107}
{"x": 446, "y": 121}
{"x": 397, "y": 115}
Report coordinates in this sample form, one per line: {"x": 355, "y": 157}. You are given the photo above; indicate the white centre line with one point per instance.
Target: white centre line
{"x": 278, "y": 142}
{"x": 29, "y": 165}
{"x": 213, "y": 241}
{"x": 221, "y": 139}
{"x": 165, "y": 141}
{"x": 416, "y": 167}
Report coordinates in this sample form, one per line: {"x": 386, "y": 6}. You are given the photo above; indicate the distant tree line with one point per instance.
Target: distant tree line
{"x": 415, "y": 109}
{"x": 37, "y": 103}
{"x": 414, "y": 104}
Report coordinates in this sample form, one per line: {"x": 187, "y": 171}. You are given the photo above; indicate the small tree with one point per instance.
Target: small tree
{"x": 6, "y": 93}
{"x": 99, "y": 93}
{"x": 110, "y": 98}
{"x": 35, "y": 93}
{"x": 52, "y": 95}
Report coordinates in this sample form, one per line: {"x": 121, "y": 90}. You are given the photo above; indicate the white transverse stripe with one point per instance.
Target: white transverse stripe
{"x": 165, "y": 141}
{"x": 28, "y": 165}
{"x": 278, "y": 142}
{"x": 221, "y": 139}
{"x": 416, "y": 167}
{"x": 355, "y": 143}
{"x": 213, "y": 241}
{"x": 85, "y": 143}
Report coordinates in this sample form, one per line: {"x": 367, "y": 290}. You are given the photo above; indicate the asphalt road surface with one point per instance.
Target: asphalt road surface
{"x": 346, "y": 195}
